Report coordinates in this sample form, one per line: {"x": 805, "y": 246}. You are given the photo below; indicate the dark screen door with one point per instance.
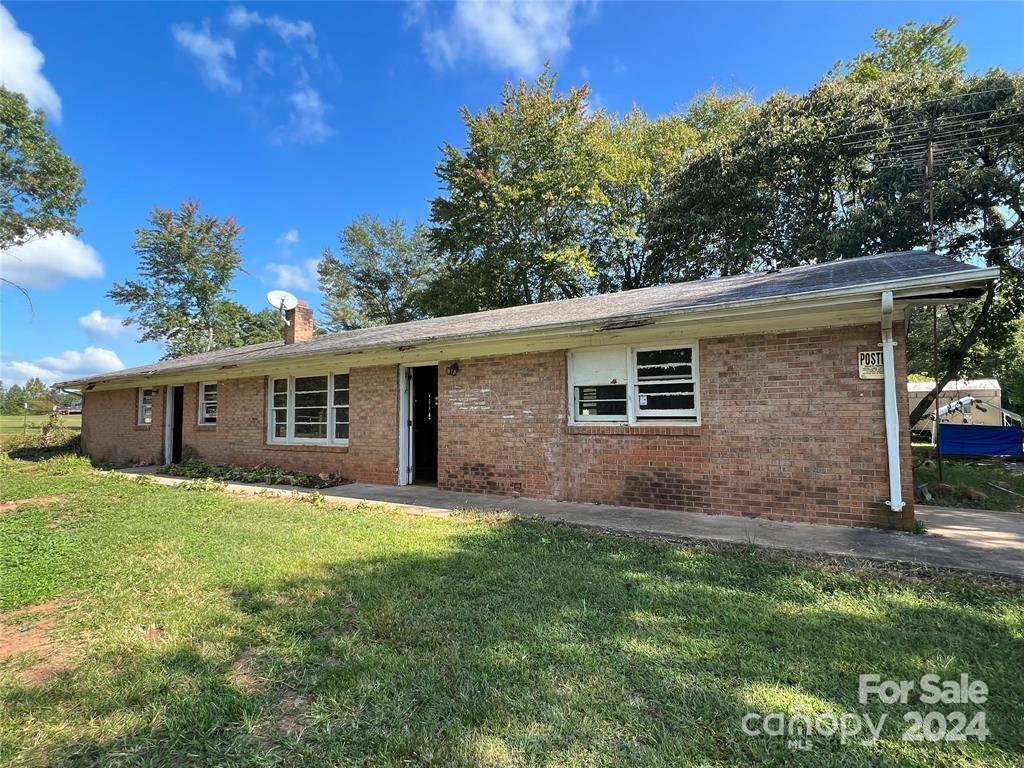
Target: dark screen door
{"x": 178, "y": 403}
{"x": 424, "y": 423}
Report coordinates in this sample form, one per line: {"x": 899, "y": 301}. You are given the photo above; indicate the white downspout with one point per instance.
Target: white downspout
{"x": 892, "y": 423}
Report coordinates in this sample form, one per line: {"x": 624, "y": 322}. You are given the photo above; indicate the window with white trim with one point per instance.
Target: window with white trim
{"x": 309, "y": 409}
{"x": 598, "y": 382}
{"x": 665, "y": 384}
{"x": 634, "y": 385}
{"x": 208, "y": 403}
{"x": 145, "y": 412}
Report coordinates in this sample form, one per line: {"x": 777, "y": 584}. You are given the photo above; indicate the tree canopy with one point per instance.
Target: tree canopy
{"x": 40, "y": 186}
{"x": 186, "y": 263}
{"x": 509, "y": 225}
{"x": 379, "y": 276}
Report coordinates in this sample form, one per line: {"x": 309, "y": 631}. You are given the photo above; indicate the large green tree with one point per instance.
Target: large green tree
{"x": 637, "y": 157}
{"x": 237, "y": 325}
{"x": 380, "y": 275}
{"x": 510, "y": 225}
{"x": 913, "y": 49}
{"x": 186, "y": 263}
{"x": 40, "y": 186}
{"x": 840, "y": 172}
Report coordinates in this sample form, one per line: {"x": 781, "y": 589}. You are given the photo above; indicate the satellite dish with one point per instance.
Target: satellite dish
{"x": 282, "y": 300}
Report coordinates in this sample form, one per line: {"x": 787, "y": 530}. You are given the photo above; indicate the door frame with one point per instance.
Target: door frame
{"x": 406, "y": 450}
{"x": 169, "y": 417}
{"x": 168, "y": 423}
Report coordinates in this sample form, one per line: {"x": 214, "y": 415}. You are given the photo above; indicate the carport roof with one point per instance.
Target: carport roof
{"x": 742, "y": 291}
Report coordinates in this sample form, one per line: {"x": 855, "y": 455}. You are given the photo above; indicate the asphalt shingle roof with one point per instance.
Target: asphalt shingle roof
{"x": 608, "y": 308}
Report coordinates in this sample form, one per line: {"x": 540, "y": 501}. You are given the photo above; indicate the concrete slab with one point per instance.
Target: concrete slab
{"x": 963, "y": 539}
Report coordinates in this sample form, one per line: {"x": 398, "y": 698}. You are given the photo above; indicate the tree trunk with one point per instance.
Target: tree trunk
{"x": 956, "y": 363}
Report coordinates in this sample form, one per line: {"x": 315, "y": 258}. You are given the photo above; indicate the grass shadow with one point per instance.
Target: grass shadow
{"x": 522, "y": 643}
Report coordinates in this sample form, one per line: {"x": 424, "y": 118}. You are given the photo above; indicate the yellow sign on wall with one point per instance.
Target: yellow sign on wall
{"x": 869, "y": 365}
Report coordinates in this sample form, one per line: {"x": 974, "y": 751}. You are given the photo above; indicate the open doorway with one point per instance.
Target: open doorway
{"x": 418, "y": 438}
{"x": 173, "y": 424}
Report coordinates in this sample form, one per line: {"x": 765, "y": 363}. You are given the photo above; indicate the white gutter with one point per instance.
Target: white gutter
{"x": 892, "y": 423}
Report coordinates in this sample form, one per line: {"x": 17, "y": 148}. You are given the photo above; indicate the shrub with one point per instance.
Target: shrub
{"x": 196, "y": 469}
{"x": 44, "y": 445}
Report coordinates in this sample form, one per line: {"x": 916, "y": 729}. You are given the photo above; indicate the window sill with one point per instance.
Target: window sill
{"x": 206, "y": 427}
{"x": 308, "y": 447}
{"x": 639, "y": 430}
{"x": 143, "y": 427}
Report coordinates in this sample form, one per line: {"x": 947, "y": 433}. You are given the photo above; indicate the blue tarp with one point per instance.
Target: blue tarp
{"x": 976, "y": 440}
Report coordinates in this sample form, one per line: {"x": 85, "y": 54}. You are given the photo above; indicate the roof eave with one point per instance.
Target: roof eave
{"x": 906, "y": 290}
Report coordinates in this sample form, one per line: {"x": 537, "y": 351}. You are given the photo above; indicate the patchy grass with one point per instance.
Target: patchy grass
{"x": 972, "y": 483}
{"x": 196, "y": 628}
{"x": 15, "y": 424}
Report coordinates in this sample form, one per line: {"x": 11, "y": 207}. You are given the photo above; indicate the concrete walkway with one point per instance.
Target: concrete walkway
{"x": 973, "y": 540}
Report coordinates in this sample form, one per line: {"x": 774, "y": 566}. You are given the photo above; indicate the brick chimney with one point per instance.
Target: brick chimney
{"x": 300, "y": 324}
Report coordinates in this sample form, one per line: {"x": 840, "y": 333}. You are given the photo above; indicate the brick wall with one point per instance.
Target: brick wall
{"x": 788, "y": 432}
{"x": 761, "y": 449}
{"x": 239, "y": 436}
{"x": 110, "y": 430}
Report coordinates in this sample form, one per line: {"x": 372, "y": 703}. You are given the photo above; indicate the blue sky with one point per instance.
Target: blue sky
{"x": 297, "y": 117}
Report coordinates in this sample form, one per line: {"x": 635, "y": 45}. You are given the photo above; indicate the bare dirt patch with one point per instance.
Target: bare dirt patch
{"x": 27, "y": 632}
{"x": 38, "y": 501}
{"x": 244, "y": 673}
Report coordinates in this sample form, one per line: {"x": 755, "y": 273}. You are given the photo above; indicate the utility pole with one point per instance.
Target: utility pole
{"x": 930, "y": 176}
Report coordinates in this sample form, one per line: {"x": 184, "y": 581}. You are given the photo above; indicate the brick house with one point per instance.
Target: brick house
{"x": 778, "y": 395}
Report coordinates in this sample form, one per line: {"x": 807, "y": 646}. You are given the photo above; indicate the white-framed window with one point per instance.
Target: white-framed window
{"x": 665, "y": 383}
{"x": 145, "y": 412}
{"x": 308, "y": 409}
{"x": 634, "y": 385}
{"x": 208, "y": 403}
{"x": 598, "y": 384}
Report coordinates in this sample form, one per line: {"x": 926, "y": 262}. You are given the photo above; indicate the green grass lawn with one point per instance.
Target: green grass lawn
{"x": 193, "y": 628}
{"x": 14, "y": 424}
{"x": 1003, "y": 488}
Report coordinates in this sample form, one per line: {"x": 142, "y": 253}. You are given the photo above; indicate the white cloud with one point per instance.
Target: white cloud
{"x": 292, "y": 277}
{"x": 49, "y": 261}
{"x": 21, "y": 65}
{"x": 289, "y": 31}
{"x": 213, "y": 54}
{"x": 265, "y": 60}
{"x": 519, "y": 36}
{"x": 291, "y": 237}
{"x": 70, "y": 364}
{"x": 99, "y": 326}
{"x": 307, "y": 121}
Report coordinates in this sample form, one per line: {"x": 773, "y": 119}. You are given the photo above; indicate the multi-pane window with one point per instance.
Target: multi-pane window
{"x": 618, "y": 384}
{"x": 145, "y": 414}
{"x": 279, "y": 410}
{"x": 599, "y": 384}
{"x": 665, "y": 383}
{"x": 208, "y": 403}
{"x": 309, "y": 409}
{"x": 340, "y": 406}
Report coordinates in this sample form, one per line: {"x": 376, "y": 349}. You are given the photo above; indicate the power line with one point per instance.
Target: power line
{"x": 948, "y": 97}
{"x": 940, "y": 129}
